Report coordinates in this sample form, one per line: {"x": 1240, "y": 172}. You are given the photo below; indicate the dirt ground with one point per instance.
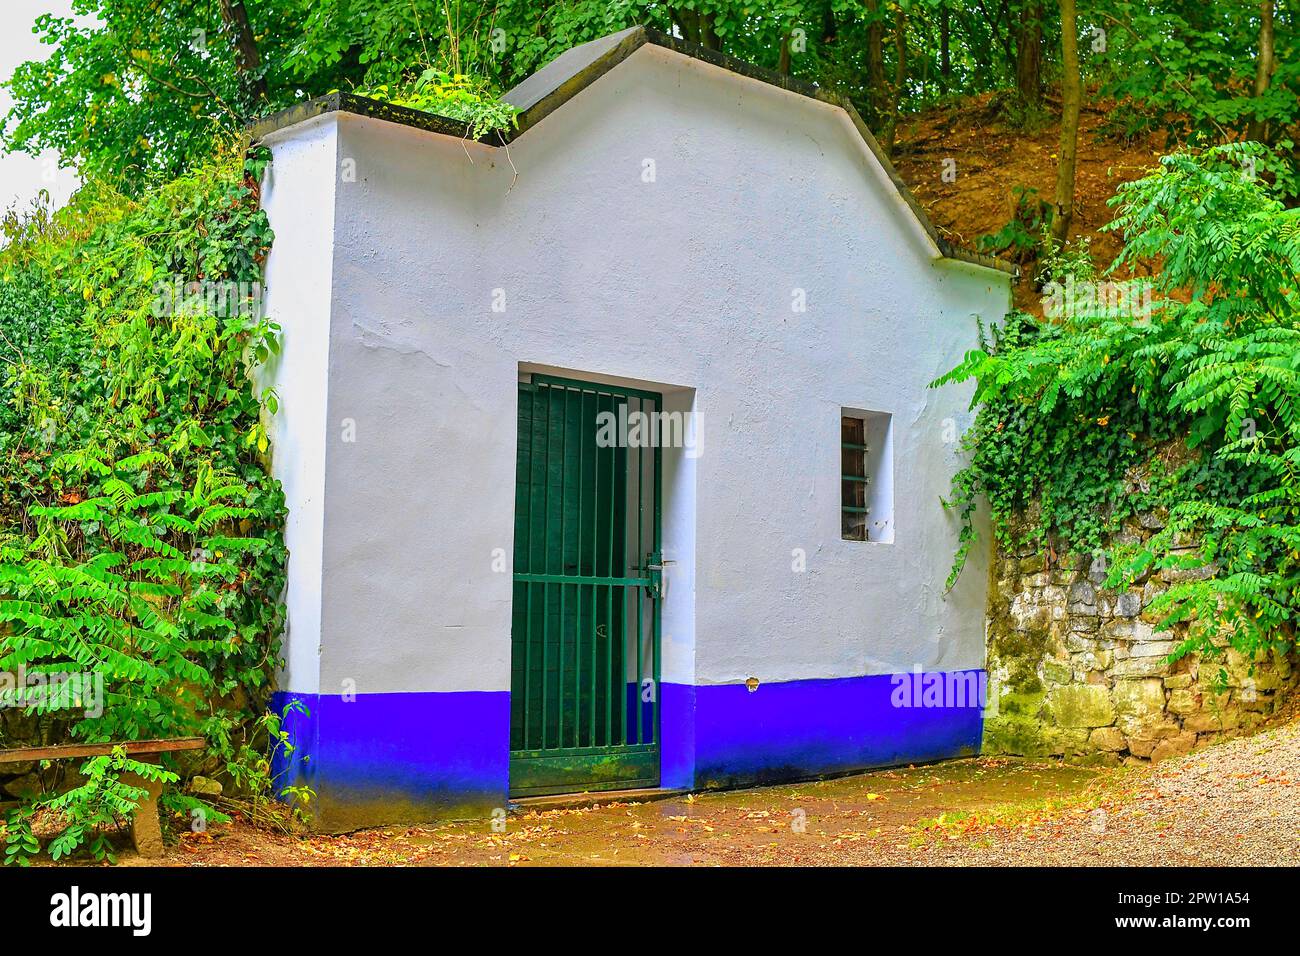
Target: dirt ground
{"x": 991, "y": 158}
{"x": 1235, "y": 803}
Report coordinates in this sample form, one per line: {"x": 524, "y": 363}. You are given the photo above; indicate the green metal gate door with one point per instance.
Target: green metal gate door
{"x": 584, "y": 686}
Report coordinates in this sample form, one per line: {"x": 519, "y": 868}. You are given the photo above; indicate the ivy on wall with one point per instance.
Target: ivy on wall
{"x": 1200, "y": 391}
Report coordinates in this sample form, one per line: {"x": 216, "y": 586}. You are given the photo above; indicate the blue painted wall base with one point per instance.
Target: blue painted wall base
{"x": 793, "y": 730}
{"x": 400, "y": 758}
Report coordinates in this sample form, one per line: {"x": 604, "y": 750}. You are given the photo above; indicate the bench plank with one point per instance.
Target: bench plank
{"x": 61, "y": 751}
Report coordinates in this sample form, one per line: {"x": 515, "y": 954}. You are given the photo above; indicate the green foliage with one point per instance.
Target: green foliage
{"x": 458, "y": 97}
{"x": 1021, "y": 236}
{"x": 137, "y": 92}
{"x": 87, "y": 810}
{"x": 1189, "y": 68}
{"x": 140, "y": 530}
{"x": 1067, "y": 261}
{"x": 250, "y": 755}
{"x": 1070, "y": 407}
{"x": 147, "y": 86}
{"x": 1027, "y": 118}
{"x": 138, "y": 87}
{"x": 132, "y": 87}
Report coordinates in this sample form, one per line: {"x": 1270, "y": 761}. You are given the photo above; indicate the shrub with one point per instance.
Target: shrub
{"x": 1069, "y": 406}
{"x": 140, "y": 529}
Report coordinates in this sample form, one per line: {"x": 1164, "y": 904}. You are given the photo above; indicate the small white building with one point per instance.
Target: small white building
{"x": 573, "y": 435}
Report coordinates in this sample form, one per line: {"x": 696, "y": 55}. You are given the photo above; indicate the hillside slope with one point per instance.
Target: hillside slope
{"x": 992, "y": 158}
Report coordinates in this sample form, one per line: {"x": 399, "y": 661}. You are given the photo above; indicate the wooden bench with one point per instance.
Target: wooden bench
{"x": 145, "y": 829}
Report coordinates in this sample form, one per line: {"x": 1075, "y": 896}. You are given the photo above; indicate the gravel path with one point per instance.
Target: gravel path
{"x": 1233, "y": 803}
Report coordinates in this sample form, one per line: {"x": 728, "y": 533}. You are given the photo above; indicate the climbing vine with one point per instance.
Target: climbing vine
{"x": 1200, "y": 394}
{"x": 141, "y": 554}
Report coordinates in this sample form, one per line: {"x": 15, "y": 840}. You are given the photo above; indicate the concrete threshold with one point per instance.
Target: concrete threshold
{"x": 574, "y": 801}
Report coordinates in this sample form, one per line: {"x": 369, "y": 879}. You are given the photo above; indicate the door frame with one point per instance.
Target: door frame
{"x": 538, "y": 771}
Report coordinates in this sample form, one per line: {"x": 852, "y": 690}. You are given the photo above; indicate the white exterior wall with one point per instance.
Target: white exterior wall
{"x": 684, "y": 284}
{"x": 298, "y": 197}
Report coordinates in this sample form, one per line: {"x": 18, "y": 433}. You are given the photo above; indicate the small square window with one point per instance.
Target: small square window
{"x": 853, "y": 479}
{"x": 866, "y": 481}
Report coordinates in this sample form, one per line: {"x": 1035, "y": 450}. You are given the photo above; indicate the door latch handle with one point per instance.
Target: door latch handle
{"x": 656, "y": 569}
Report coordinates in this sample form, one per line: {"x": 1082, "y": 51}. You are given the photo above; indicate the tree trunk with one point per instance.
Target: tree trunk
{"x": 945, "y": 56}
{"x": 709, "y": 36}
{"x": 783, "y": 57}
{"x": 699, "y": 29}
{"x": 994, "y": 20}
{"x": 688, "y": 20}
{"x": 900, "y": 51}
{"x": 875, "y": 50}
{"x": 882, "y": 97}
{"x": 1029, "y": 54}
{"x": 900, "y": 76}
{"x": 248, "y": 60}
{"x": 1063, "y": 204}
{"x": 1258, "y": 130}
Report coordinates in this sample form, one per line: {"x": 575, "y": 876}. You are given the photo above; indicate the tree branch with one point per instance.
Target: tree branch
{"x": 249, "y": 61}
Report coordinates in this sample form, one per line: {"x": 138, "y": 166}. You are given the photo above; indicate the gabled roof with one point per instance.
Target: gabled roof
{"x": 578, "y": 68}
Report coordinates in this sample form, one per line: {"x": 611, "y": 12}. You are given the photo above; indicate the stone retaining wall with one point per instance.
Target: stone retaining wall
{"x": 1080, "y": 672}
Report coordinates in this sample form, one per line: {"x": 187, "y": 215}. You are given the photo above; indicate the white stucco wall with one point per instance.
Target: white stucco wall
{"x": 685, "y": 284}
{"x": 298, "y": 197}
